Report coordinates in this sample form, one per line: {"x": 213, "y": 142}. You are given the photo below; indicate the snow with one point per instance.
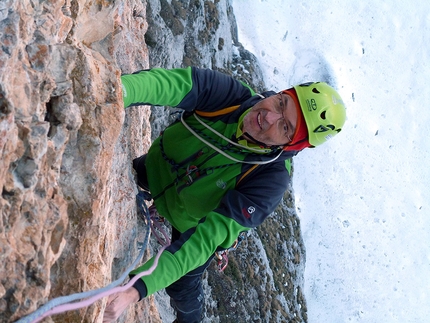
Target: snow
{"x": 364, "y": 197}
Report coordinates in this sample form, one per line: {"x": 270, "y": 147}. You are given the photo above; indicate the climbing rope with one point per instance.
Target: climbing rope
{"x": 64, "y": 303}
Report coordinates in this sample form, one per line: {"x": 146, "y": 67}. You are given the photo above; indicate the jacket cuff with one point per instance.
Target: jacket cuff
{"x": 141, "y": 288}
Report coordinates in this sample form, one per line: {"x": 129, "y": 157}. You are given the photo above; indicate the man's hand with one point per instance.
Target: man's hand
{"x": 118, "y": 302}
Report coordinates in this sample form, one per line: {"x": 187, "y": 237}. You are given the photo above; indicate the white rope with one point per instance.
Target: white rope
{"x": 256, "y": 162}
{"x": 225, "y": 138}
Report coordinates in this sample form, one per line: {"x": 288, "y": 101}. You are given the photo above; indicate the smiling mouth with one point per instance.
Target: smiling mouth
{"x": 259, "y": 120}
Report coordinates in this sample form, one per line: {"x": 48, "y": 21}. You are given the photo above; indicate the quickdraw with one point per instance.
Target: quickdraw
{"x": 222, "y": 256}
{"x": 154, "y": 215}
{"x": 156, "y": 226}
{"x": 192, "y": 170}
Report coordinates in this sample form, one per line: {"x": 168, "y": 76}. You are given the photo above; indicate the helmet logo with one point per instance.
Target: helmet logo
{"x": 312, "y": 104}
{"x": 322, "y": 128}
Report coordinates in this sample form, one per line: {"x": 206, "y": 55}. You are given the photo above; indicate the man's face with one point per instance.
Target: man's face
{"x": 272, "y": 121}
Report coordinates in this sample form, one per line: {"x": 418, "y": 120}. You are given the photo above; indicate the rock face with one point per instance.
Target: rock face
{"x": 68, "y": 219}
{"x": 68, "y": 216}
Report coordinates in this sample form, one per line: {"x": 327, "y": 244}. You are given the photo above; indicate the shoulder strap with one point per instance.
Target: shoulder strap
{"x": 247, "y": 173}
{"x": 218, "y": 112}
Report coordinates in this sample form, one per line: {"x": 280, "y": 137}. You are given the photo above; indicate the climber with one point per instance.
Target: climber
{"x": 219, "y": 170}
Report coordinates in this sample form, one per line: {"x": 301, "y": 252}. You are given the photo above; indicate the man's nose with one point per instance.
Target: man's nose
{"x": 272, "y": 117}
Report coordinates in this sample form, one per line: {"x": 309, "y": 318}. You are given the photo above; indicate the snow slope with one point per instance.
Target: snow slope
{"x": 363, "y": 198}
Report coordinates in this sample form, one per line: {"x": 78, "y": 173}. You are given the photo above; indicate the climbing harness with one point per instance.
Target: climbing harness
{"x": 65, "y": 303}
{"x": 222, "y": 256}
{"x": 191, "y": 173}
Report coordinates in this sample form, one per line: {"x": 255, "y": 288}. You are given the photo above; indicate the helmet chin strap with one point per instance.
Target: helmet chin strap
{"x": 262, "y": 144}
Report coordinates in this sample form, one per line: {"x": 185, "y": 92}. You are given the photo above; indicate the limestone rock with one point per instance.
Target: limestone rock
{"x": 68, "y": 217}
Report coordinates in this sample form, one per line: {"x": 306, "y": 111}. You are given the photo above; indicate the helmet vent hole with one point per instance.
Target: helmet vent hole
{"x": 315, "y": 90}
{"x": 322, "y": 115}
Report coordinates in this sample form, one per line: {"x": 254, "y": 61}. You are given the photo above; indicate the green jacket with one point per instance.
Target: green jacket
{"x": 207, "y": 188}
